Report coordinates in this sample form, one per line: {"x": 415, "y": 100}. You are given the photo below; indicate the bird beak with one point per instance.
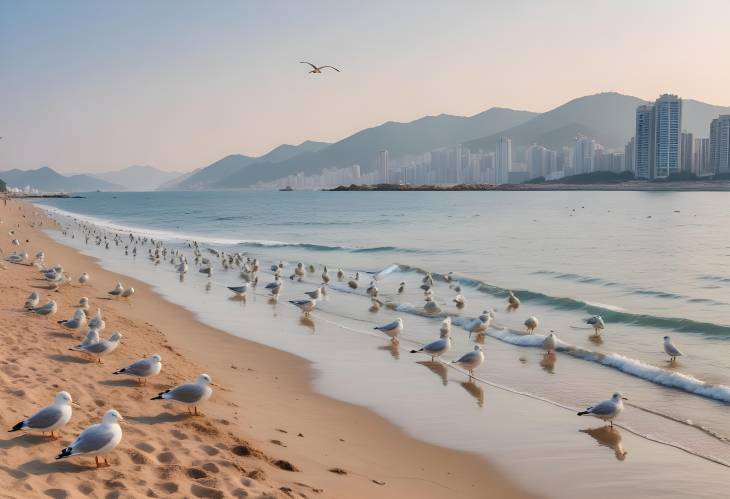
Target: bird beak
{"x": 624, "y": 398}
{"x": 75, "y": 404}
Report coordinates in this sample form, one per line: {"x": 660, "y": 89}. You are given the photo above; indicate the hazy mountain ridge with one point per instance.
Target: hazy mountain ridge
{"x": 139, "y": 177}
{"x": 419, "y": 136}
{"x": 48, "y": 180}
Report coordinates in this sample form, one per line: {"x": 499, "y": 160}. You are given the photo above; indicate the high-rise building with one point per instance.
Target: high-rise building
{"x": 584, "y": 155}
{"x": 381, "y": 165}
{"x": 667, "y": 157}
{"x": 629, "y": 155}
{"x": 701, "y": 157}
{"x": 643, "y": 141}
{"x": 720, "y": 144}
{"x": 687, "y": 148}
{"x": 503, "y": 160}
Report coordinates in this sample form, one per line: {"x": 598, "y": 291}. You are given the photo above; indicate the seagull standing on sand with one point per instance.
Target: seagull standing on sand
{"x": 306, "y": 305}
{"x": 531, "y": 324}
{"x": 549, "y": 343}
{"x": 607, "y": 409}
{"x": 239, "y": 290}
{"x": 32, "y": 301}
{"x": 51, "y": 418}
{"x": 84, "y": 278}
{"x": 143, "y": 368}
{"x": 392, "y": 329}
{"x": 436, "y": 348}
{"x": 598, "y": 325}
{"x": 118, "y": 290}
{"x": 189, "y": 394}
{"x": 99, "y": 439}
{"x": 101, "y": 348}
{"x": 92, "y": 336}
{"x": 671, "y": 350}
{"x": 76, "y": 322}
{"x": 49, "y": 308}
{"x": 128, "y": 292}
{"x": 97, "y": 322}
{"x": 471, "y": 360}
{"x": 318, "y": 69}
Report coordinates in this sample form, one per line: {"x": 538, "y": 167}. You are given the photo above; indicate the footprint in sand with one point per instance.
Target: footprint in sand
{"x": 166, "y": 457}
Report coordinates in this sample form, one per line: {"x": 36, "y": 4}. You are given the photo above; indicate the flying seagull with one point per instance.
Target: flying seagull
{"x": 318, "y": 69}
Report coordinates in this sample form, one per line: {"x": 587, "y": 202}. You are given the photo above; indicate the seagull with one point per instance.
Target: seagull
{"x": 49, "y": 308}
{"x": 102, "y": 347}
{"x": 392, "y": 329}
{"x": 143, "y": 368}
{"x": 84, "y": 304}
{"x": 84, "y": 278}
{"x": 99, "y": 439}
{"x": 92, "y": 336}
{"x": 513, "y": 301}
{"x": 76, "y": 322}
{"x": 436, "y": 348}
{"x": 32, "y": 301}
{"x": 671, "y": 350}
{"x": 598, "y": 325}
{"x": 118, "y": 290}
{"x": 471, "y": 360}
{"x": 607, "y": 409}
{"x": 190, "y": 394}
{"x": 316, "y": 294}
{"x": 531, "y": 324}
{"x": 445, "y": 327}
{"x": 401, "y": 287}
{"x": 318, "y": 69}
{"x": 306, "y": 305}
{"x": 459, "y": 301}
{"x": 550, "y": 342}
{"x": 239, "y": 290}
{"x": 97, "y": 322}
{"x": 128, "y": 292}
{"x": 50, "y": 418}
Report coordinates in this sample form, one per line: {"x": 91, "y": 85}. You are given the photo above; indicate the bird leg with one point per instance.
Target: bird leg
{"x": 96, "y": 459}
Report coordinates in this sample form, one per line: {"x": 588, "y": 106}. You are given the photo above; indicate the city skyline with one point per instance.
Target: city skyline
{"x": 180, "y": 87}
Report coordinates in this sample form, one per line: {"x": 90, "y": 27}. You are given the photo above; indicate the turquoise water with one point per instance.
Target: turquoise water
{"x": 652, "y": 264}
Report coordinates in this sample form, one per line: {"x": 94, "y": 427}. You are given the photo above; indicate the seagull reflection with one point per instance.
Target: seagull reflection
{"x": 306, "y": 322}
{"x": 596, "y": 339}
{"x": 393, "y": 348}
{"x": 182, "y": 277}
{"x": 375, "y": 306}
{"x": 437, "y": 368}
{"x": 610, "y": 437}
{"x": 548, "y": 362}
{"x": 207, "y": 287}
{"x": 475, "y": 391}
{"x": 239, "y": 298}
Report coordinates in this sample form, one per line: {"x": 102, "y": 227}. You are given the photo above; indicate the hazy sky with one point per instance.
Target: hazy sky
{"x": 100, "y": 85}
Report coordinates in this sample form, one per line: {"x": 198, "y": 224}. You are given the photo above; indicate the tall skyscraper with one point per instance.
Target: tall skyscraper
{"x": 643, "y": 141}
{"x": 503, "y": 160}
{"x": 701, "y": 157}
{"x": 720, "y": 144}
{"x": 381, "y": 165}
{"x": 629, "y": 154}
{"x": 584, "y": 155}
{"x": 667, "y": 157}
{"x": 687, "y": 148}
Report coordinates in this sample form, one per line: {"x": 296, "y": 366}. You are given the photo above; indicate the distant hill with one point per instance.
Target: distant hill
{"x": 608, "y": 117}
{"x": 223, "y": 168}
{"x": 48, "y": 180}
{"x": 400, "y": 139}
{"x": 138, "y": 177}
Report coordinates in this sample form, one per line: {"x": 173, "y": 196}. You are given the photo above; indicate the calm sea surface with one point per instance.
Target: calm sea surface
{"x": 651, "y": 264}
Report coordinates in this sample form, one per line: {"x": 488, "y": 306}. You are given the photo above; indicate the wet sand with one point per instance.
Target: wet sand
{"x": 264, "y": 418}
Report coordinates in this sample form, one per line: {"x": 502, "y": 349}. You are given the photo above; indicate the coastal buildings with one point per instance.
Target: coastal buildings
{"x": 643, "y": 141}
{"x": 720, "y": 144}
{"x": 584, "y": 154}
{"x": 701, "y": 157}
{"x": 503, "y": 160}
{"x": 381, "y": 165}
{"x": 687, "y": 148}
{"x": 657, "y": 147}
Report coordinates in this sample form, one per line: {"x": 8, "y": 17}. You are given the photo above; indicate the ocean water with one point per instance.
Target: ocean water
{"x": 651, "y": 264}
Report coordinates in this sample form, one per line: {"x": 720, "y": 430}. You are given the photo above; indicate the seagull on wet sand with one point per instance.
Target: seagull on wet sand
{"x": 471, "y": 360}
{"x": 550, "y": 342}
{"x": 392, "y": 329}
{"x": 189, "y": 394}
{"x": 531, "y": 324}
{"x": 607, "y": 409}
{"x": 318, "y": 69}
{"x": 671, "y": 350}
{"x": 598, "y": 325}
{"x": 99, "y": 439}
{"x": 50, "y": 418}
{"x": 306, "y": 305}
{"x": 239, "y": 290}
{"x": 436, "y": 348}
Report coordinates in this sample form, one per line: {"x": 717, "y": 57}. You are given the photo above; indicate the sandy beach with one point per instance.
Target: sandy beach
{"x": 264, "y": 433}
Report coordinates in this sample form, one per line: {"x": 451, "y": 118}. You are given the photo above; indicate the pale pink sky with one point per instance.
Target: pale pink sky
{"x": 97, "y": 86}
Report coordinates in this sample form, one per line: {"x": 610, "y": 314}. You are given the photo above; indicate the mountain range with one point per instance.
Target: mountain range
{"x": 48, "y": 180}
{"x": 607, "y": 117}
{"x": 138, "y": 177}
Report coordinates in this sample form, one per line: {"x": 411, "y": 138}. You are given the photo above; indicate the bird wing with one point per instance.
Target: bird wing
{"x": 92, "y": 439}
{"x": 139, "y": 368}
{"x": 603, "y": 408}
{"x": 436, "y": 345}
{"x": 331, "y": 67}
{"x": 189, "y": 393}
{"x": 388, "y": 327}
{"x": 592, "y": 320}
{"x": 44, "y": 418}
{"x": 99, "y": 347}
{"x": 467, "y": 357}
{"x": 305, "y": 62}
{"x": 300, "y": 303}
{"x": 672, "y": 350}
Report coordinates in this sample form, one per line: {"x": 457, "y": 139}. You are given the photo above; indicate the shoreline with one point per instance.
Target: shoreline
{"x": 265, "y": 391}
{"x": 628, "y": 186}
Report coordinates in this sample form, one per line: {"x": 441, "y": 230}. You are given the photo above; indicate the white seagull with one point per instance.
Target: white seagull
{"x": 531, "y": 324}
{"x": 143, "y": 368}
{"x": 189, "y": 394}
{"x": 50, "y": 418}
{"x": 49, "y": 308}
{"x": 99, "y": 439}
{"x": 671, "y": 350}
{"x": 607, "y": 409}
{"x": 318, "y": 69}
{"x": 307, "y": 305}
{"x": 471, "y": 360}
{"x": 76, "y": 322}
{"x": 392, "y": 329}
{"x": 118, "y": 290}
{"x": 550, "y": 342}
{"x": 100, "y": 348}
{"x": 32, "y": 301}
{"x": 436, "y": 348}
{"x": 598, "y": 325}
